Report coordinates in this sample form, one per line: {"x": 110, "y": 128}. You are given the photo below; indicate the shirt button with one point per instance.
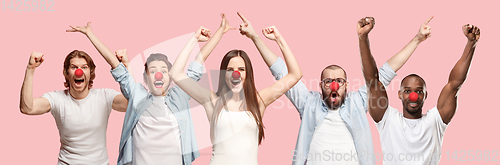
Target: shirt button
{"x": 180, "y": 118}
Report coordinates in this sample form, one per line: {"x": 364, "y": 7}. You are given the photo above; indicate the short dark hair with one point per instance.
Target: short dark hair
{"x": 157, "y": 57}
{"x": 333, "y": 67}
{"x": 412, "y": 75}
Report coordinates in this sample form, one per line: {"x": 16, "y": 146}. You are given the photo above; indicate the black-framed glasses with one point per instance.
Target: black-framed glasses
{"x": 327, "y": 81}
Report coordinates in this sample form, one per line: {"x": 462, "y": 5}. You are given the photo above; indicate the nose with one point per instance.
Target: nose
{"x": 413, "y": 96}
{"x": 334, "y": 86}
{"x": 236, "y": 75}
{"x": 79, "y": 73}
{"x": 158, "y": 76}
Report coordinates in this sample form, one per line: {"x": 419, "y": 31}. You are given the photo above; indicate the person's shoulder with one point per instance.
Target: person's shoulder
{"x": 315, "y": 94}
{"x": 102, "y": 90}
{"x": 393, "y": 112}
{"x": 433, "y": 113}
{"x": 58, "y": 92}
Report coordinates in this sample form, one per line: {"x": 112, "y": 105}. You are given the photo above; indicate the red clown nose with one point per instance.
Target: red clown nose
{"x": 158, "y": 76}
{"x": 79, "y": 73}
{"x": 413, "y": 96}
{"x": 334, "y": 86}
{"x": 236, "y": 74}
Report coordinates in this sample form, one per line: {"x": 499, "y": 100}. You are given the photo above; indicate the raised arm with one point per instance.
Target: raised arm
{"x": 188, "y": 85}
{"x": 108, "y": 55}
{"x": 398, "y": 60}
{"x": 377, "y": 96}
{"x": 119, "y": 102}
{"x": 447, "y": 101}
{"x": 214, "y": 40}
{"x": 270, "y": 94}
{"x": 29, "y": 105}
{"x": 266, "y": 53}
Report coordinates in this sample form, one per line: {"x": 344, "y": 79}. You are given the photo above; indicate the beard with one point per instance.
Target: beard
{"x": 334, "y": 100}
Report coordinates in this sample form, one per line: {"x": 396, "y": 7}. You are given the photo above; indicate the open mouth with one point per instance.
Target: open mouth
{"x": 235, "y": 82}
{"x": 333, "y": 97}
{"x": 413, "y": 105}
{"x": 158, "y": 84}
{"x": 79, "y": 81}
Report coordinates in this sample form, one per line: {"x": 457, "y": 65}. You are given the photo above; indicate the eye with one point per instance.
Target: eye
{"x": 407, "y": 91}
{"x": 73, "y": 67}
{"x": 85, "y": 67}
{"x": 420, "y": 92}
{"x": 164, "y": 72}
{"x": 241, "y": 69}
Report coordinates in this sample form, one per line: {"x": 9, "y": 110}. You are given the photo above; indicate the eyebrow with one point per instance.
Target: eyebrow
{"x": 417, "y": 87}
{"x": 76, "y": 65}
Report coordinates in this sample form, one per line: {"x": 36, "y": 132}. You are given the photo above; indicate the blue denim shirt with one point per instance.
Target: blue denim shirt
{"x": 140, "y": 99}
{"x": 312, "y": 110}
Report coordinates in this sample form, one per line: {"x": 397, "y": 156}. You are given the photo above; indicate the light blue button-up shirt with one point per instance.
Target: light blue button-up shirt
{"x": 140, "y": 99}
{"x": 312, "y": 110}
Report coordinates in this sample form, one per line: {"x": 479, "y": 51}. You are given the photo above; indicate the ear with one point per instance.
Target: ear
{"x": 346, "y": 86}
{"x": 400, "y": 95}
{"x": 320, "y": 86}
{"x": 425, "y": 95}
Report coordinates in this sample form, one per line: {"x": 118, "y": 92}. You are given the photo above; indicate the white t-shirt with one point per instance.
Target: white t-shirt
{"x": 82, "y": 125}
{"x": 332, "y": 142}
{"x": 156, "y": 136}
{"x": 411, "y": 141}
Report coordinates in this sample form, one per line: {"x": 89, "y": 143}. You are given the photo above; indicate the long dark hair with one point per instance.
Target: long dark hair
{"x": 251, "y": 103}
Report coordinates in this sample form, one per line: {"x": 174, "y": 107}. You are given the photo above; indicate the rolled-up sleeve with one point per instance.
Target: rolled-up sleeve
{"x": 123, "y": 77}
{"x": 298, "y": 93}
{"x": 386, "y": 74}
{"x": 195, "y": 71}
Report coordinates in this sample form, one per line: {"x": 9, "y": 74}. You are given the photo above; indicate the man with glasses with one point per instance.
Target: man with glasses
{"x": 334, "y": 126}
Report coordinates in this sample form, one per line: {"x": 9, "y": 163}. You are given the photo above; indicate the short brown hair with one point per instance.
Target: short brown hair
{"x": 157, "y": 57}
{"x": 79, "y": 54}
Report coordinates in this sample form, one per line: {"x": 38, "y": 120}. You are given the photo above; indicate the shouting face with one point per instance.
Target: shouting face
{"x": 333, "y": 99}
{"x": 157, "y": 78}
{"x": 235, "y": 81}
{"x": 78, "y": 75}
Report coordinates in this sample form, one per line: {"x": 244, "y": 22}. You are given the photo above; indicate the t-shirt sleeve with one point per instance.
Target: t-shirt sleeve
{"x": 53, "y": 97}
{"x": 110, "y": 95}
{"x": 440, "y": 125}
{"x": 388, "y": 113}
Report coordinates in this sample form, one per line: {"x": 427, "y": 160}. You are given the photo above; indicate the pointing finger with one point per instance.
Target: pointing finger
{"x": 428, "y": 20}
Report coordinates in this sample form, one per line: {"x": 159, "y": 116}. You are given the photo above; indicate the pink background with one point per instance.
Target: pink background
{"x": 319, "y": 33}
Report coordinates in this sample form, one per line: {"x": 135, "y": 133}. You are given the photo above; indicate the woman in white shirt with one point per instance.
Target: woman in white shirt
{"x": 235, "y": 111}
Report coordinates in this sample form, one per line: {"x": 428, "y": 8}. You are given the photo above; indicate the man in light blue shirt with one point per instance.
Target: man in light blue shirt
{"x": 153, "y": 133}
{"x": 314, "y": 107}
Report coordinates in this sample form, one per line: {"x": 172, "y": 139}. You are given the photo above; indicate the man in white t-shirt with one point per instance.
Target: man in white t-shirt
{"x": 81, "y": 113}
{"x": 412, "y": 137}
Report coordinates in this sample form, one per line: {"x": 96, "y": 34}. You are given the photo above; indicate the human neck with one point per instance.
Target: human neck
{"x": 236, "y": 97}
{"x": 78, "y": 95}
{"x": 416, "y": 115}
